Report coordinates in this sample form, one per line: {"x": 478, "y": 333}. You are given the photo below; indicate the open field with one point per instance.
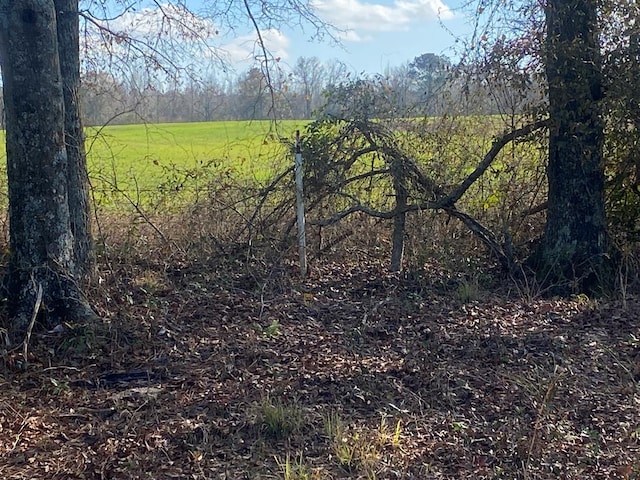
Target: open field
{"x": 147, "y": 162}
{"x": 150, "y": 159}
{"x": 144, "y": 160}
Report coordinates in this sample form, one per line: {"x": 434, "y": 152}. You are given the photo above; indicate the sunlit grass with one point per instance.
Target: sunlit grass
{"x": 149, "y": 164}
{"x": 145, "y": 160}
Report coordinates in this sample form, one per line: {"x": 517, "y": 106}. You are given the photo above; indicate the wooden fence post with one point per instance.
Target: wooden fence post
{"x": 302, "y": 242}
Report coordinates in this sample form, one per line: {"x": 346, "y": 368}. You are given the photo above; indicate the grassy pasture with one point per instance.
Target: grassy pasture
{"x": 159, "y": 164}
{"x": 144, "y": 161}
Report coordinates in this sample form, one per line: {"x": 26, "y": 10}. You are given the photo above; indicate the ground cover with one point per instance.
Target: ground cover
{"x": 207, "y": 370}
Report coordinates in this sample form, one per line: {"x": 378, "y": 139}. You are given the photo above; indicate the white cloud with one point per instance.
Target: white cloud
{"x": 166, "y": 19}
{"x": 356, "y": 16}
{"x": 247, "y": 49}
{"x": 183, "y": 38}
{"x": 353, "y": 36}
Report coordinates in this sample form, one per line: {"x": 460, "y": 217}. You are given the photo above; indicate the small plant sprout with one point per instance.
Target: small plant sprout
{"x": 353, "y": 449}
{"x": 294, "y": 469}
{"x": 388, "y": 436}
{"x": 273, "y": 330}
{"x": 345, "y": 450}
{"x": 333, "y": 426}
{"x": 279, "y": 420}
{"x": 468, "y": 290}
{"x": 459, "y": 427}
{"x": 59, "y": 387}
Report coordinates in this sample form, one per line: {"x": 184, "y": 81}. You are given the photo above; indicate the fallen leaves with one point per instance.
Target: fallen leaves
{"x": 425, "y": 386}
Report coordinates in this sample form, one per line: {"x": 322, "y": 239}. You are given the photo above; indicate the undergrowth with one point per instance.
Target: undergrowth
{"x": 215, "y": 359}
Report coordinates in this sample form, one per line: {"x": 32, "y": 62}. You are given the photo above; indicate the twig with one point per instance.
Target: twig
{"x": 36, "y": 309}
{"x": 263, "y": 48}
{"x": 551, "y": 387}
{"x": 264, "y": 195}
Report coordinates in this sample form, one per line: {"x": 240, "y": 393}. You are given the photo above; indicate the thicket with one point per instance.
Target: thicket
{"x": 464, "y": 191}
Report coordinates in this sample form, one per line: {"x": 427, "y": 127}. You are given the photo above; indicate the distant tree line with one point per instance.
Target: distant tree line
{"x": 424, "y": 86}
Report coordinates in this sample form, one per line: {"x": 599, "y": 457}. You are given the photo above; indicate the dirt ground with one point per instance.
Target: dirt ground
{"x": 353, "y": 373}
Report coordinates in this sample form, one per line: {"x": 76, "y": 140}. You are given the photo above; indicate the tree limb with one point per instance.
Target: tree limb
{"x": 485, "y": 235}
{"x": 496, "y": 147}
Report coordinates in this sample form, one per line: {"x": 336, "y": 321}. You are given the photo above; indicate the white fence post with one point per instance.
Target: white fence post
{"x": 302, "y": 242}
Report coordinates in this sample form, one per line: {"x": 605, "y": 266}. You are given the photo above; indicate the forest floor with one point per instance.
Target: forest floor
{"x": 354, "y": 373}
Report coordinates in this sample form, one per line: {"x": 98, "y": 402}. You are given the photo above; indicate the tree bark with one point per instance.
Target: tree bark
{"x": 78, "y": 192}
{"x": 573, "y": 250}
{"x": 41, "y": 239}
{"x": 401, "y": 192}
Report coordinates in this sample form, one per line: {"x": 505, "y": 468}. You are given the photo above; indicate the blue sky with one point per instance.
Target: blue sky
{"x": 374, "y": 34}
{"x": 384, "y": 32}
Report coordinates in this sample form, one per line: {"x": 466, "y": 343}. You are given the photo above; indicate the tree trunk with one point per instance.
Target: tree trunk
{"x": 41, "y": 239}
{"x": 78, "y": 193}
{"x": 399, "y": 174}
{"x": 572, "y": 253}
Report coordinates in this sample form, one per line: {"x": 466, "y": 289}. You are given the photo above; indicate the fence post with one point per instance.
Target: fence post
{"x": 302, "y": 241}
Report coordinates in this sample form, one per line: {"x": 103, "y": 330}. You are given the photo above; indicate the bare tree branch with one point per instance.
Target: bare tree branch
{"x": 498, "y": 145}
{"x": 263, "y": 47}
{"x": 484, "y": 234}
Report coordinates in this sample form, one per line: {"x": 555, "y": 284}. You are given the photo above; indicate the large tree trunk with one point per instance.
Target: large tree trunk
{"x": 41, "y": 239}
{"x": 574, "y": 246}
{"x": 78, "y": 193}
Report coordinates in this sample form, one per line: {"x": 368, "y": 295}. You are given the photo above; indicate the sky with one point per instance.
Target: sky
{"x": 382, "y": 33}
{"x": 373, "y": 34}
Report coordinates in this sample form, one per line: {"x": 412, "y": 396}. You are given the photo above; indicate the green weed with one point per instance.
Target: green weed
{"x": 58, "y": 387}
{"x": 333, "y": 425}
{"x": 353, "y": 449}
{"x": 273, "y": 330}
{"x": 78, "y": 338}
{"x": 387, "y": 435}
{"x": 468, "y": 290}
{"x": 295, "y": 469}
{"x": 278, "y": 419}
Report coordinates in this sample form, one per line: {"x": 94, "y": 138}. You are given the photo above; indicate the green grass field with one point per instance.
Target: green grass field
{"x": 144, "y": 161}
{"x": 162, "y": 164}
